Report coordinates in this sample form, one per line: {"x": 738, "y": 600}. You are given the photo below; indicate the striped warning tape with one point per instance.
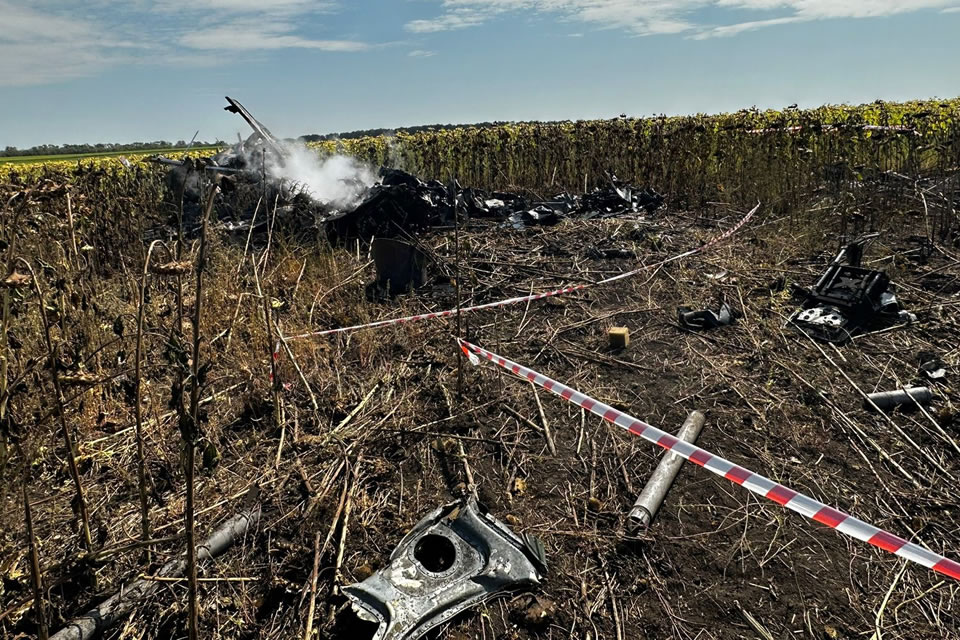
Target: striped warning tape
{"x": 535, "y": 296}
{"x": 784, "y": 496}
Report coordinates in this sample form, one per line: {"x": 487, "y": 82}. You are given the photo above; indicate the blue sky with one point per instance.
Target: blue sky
{"x": 131, "y": 70}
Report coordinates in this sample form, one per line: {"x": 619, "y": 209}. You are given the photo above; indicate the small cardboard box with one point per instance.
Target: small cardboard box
{"x": 619, "y": 337}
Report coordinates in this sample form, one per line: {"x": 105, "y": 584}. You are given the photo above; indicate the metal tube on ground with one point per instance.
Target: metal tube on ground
{"x": 886, "y": 400}
{"x": 653, "y": 494}
{"x": 93, "y": 623}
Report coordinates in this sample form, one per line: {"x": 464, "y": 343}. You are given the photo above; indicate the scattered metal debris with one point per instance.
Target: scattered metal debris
{"x": 887, "y": 400}
{"x": 115, "y": 608}
{"x": 454, "y": 558}
{"x": 618, "y": 198}
{"x": 931, "y": 366}
{"x": 705, "y": 319}
{"x": 847, "y": 298}
{"x": 398, "y": 203}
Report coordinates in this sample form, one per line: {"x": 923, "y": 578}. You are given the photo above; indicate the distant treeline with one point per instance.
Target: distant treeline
{"x": 133, "y": 147}
{"x": 368, "y": 133}
{"x": 73, "y": 149}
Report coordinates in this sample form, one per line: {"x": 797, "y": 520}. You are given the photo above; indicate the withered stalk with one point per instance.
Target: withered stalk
{"x": 273, "y": 354}
{"x": 456, "y": 236}
{"x": 61, "y": 413}
{"x": 5, "y": 328}
{"x": 138, "y": 381}
{"x": 73, "y": 232}
{"x": 190, "y": 439}
{"x": 39, "y": 604}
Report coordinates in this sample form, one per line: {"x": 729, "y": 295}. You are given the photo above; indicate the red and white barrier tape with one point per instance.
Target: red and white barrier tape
{"x": 537, "y": 296}
{"x": 784, "y": 496}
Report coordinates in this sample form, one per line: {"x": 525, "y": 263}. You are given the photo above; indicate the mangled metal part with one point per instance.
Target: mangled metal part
{"x": 827, "y": 320}
{"x": 705, "y": 319}
{"x": 890, "y": 308}
{"x": 847, "y": 298}
{"x": 456, "y": 557}
{"x": 932, "y": 366}
{"x": 539, "y": 215}
{"x": 261, "y": 131}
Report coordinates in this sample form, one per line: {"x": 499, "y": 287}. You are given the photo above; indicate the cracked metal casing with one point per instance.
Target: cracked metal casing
{"x": 454, "y": 558}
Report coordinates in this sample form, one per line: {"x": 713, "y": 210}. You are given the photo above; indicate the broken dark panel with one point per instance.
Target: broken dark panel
{"x": 400, "y": 265}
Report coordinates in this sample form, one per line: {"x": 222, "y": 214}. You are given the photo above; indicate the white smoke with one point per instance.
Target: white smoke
{"x": 338, "y": 181}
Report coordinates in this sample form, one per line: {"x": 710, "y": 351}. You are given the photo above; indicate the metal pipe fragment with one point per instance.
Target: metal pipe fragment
{"x": 653, "y": 494}
{"x": 886, "y": 400}
{"x": 93, "y": 623}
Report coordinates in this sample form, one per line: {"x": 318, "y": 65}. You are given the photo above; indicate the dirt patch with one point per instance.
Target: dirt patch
{"x": 385, "y": 426}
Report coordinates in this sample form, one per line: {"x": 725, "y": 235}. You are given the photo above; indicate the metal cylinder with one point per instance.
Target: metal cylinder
{"x": 653, "y": 494}
{"x": 886, "y": 400}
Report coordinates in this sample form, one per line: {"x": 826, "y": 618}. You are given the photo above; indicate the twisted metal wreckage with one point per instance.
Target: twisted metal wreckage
{"x": 397, "y": 203}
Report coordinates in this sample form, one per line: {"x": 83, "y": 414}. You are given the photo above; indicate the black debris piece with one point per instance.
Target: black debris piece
{"x": 539, "y": 215}
{"x": 907, "y": 398}
{"x": 705, "y": 319}
{"x": 596, "y": 253}
{"x": 399, "y": 203}
{"x": 848, "y": 298}
{"x": 931, "y": 366}
{"x": 398, "y": 177}
{"x": 400, "y": 265}
{"x": 618, "y": 198}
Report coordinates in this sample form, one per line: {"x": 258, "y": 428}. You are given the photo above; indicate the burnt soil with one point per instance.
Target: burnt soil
{"x": 395, "y": 433}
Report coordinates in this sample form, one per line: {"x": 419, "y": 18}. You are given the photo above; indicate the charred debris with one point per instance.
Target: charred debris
{"x": 848, "y": 299}
{"x": 395, "y": 203}
{"x": 259, "y": 187}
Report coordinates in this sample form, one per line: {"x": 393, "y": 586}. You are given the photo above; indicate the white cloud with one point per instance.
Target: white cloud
{"x": 47, "y": 41}
{"x": 255, "y": 35}
{"x": 39, "y": 48}
{"x": 643, "y": 17}
{"x": 263, "y": 7}
{"x": 741, "y": 27}
{"x": 448, "y": 22}
{"x": 420, "y": 53}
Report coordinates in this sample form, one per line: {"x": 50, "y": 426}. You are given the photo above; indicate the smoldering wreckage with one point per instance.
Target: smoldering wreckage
{"x": 461, "y": 555}
{"x": 264, "y": 180}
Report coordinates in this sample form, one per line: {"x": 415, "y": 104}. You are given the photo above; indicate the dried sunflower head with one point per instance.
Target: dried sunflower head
{"x": 172, "y": 268}
{"x": 16, "y": 281}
